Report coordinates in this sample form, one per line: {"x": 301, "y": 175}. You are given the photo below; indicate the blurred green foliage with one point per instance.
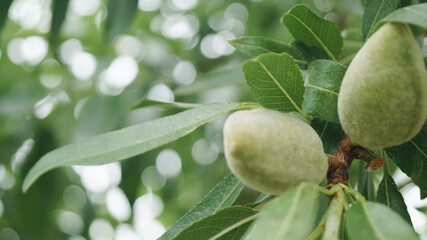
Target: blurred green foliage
{"x": 70, "y": 70}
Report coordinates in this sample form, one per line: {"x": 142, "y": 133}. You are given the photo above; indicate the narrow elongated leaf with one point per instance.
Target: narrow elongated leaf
{"x": 415, "y": 14}
{"x": 322, "y": 88}
{"x": 375, "y": 221}
{"x": 330, "y": 133}
{"x": 261, "y": 198}
{"x": 59, "y": 10}
{"x": 389, "y": 194}
{"x": 289, "y": 216}
{"x": 143, "y": 103}
{"x": 313, "y": 30}
{"x": 375, "y": 10}
{"x": 365, "y": 182}
{"x": 411, "y": 158}
{"x": 275, "y": 81}
{"x": 223, "y": 195}
{"x": 255, "y": 46}
{"x": 4, "y": 9}
{"x": 128, "y": 142}
{"x": 120, "y": 16}
{"x": 212, "y": 80}
{"x": 227, "y": 224}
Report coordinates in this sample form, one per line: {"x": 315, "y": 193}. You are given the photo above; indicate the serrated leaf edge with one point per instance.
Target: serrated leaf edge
{"x": 257, "y": 60}
{"x": 374, "y": 23}
{"x": 315, "y": 36}
{"x": 263, "y": 48}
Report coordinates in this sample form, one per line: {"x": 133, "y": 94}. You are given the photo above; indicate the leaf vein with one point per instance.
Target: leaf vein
{"x": 282, "y": 89}
{"x": 316, "y": 37}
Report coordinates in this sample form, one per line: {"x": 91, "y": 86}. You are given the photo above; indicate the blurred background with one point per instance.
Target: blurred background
{"x": 70, "y": 70}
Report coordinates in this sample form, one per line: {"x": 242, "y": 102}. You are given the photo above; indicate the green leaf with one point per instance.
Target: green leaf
{"x": 128, "y": 142}
{"x": 322, "y": 88}
{"x": 4, "y": 10}
{"x": 255, "y": 46}
{"x": 227, "y": 224}
{"x": 365, "y": 182}
{"x": 374, "y": 221}
{"x": 119, "y": 17}
{"x": 275, "y": 81}
{"x": 260, "y": 199}
{"x": 223, "y": 195}
{"x": 313, "y": 30}
{"x": 289, "y": 216}
{"x": 375, "y": 10}
{"x": 143, "y": 103}
{"x": 389, "y": 194}
{"x": 330, "y": 133}
{"x": 310, "y": 53}
{"x": 415, "y": 14}
{"x": 404, "y": 3}
{"x": 422, "y": 209}
{"x": 411, "y": 158}
{"x": 58, "y": 16}
{"x": 212, "y": 80}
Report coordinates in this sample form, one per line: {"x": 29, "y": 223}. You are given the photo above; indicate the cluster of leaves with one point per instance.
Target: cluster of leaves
{"x": 275, "y": 78}
{"x": 276, "y": 81}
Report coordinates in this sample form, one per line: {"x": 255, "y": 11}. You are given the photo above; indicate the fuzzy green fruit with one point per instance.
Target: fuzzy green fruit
{"x": 383, "y": 96}
{"x": 272, "y": 151}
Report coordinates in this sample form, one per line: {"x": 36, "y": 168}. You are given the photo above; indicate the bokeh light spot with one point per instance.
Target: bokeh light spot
{"x": 8, "y": 234}
{"x": 126, "y": 232}
{"x": 70, "y": 222}
{"x": 33, "y": 49}
{"x": 185, "y": 4}
{"x": 101, "y": 229}
{"x": 121, "y": 72}
{"x": 99, "y": 178}
{"x": 184, "y": 73}
{"x": 130, "y": 46}
{"x": 204, "y": 152}
{"x": 84, "y": 7}
{"x": 83, "y": 65}
{"x": 118, "y": 204}
{"x": 74, "y": 197}
{"x": 168, "y": 163}
{"x": 152, "y": 179}
{"x": 149, "y": 5}
{"x": 146, "y": 209}
{"x": 68, "y": 49}
{"x": 161, "y": 92}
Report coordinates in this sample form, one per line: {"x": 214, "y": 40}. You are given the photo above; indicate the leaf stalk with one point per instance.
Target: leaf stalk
{"x": 334, "y": 216}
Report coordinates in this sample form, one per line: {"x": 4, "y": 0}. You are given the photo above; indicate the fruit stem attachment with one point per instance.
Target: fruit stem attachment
{"x": 340, "y": 162}
{"x": 326, "y": 191}
{"x": 353, "y": 193}
{"x": 344, "y": 156}
{"x": 334, "y": 216}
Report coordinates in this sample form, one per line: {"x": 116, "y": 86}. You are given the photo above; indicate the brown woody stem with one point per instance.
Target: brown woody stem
{"x": 344, "y": 156}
